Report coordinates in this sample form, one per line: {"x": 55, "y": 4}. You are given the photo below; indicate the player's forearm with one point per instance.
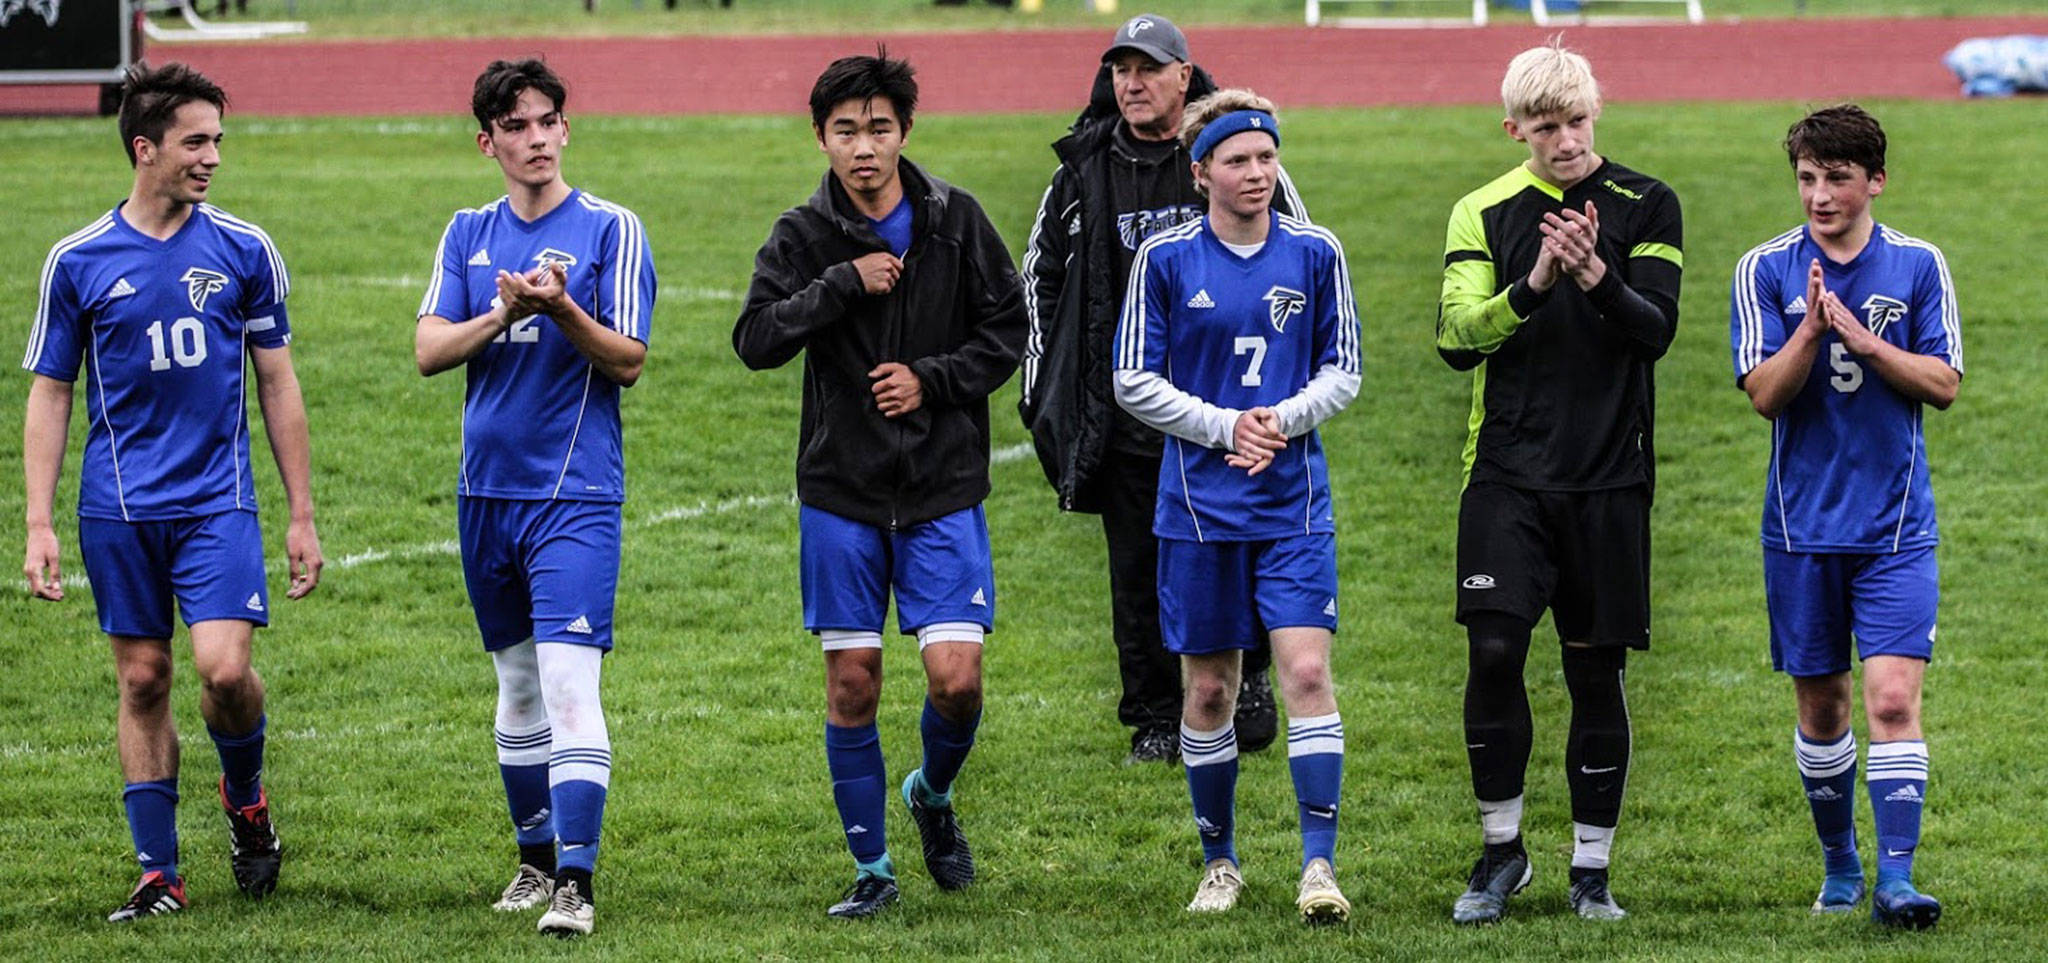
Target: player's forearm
{"x": 284, "y": 423}
{"x": 1155, "y": 401}
{"x": 45, "y": 429}
{"x": 617, "y": 356}
{"x": 440, "y": 344}
{"x": 1646, "y": 314}
{"x": 775, "y": 327}
{"x": 1472, "y": 316}
{"x": 1923, "y": 378}
{"x": 1330, "y": 391}
{"x": 1778, "y": 379}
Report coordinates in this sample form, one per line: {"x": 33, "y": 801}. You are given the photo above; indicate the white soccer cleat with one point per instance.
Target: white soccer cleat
{"x": 1221, "y": 883}
{"x": 529, "y": 888}
{"x": 1321, "y": 902}
{"x": 569, "y": 914}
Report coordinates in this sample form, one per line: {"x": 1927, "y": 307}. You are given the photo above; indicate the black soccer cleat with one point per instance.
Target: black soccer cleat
{"x": 1502, "y": 871}
{"x": 946, "y": 855}
{"x": 154, "y": 896}
{"x": 1154, "y": 744}
{"x": 1896, "y": 903}
{"x": 256, "y": 853}
{"x": 868, "y": 895}
{"x": 1590, "y": 897}
{"x": 1257, "y": 719}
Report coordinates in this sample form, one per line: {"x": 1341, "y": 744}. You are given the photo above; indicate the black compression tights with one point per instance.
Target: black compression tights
{"x": 1498, "y": 728}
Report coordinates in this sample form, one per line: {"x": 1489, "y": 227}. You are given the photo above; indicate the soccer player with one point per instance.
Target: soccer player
{"x": 1238, "y": 338}
{"x": 901, "y": 297}
{"x": 1842, "y": 330}
{"x": 1560, "y": 292}
{"x": 1123, "y": 177}
{"x": 544, "y": 296}
{"x": 165, "y": 295}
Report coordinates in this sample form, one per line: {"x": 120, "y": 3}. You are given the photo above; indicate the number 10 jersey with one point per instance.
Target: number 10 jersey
{"x": 160, "y": 327}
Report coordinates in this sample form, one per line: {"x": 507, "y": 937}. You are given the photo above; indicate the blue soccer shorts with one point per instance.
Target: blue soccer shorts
{"x": 940, "y": 571}
{"x": 212, "y": 566}
{"x": 1818, "y": 601}
{"x": 1219, "y": 596}
{"x": 541, "y": 570}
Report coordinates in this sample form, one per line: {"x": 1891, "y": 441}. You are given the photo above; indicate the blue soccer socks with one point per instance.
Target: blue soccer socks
{"x": 241, "y": 763}
{"x": 853, "y": 755}
{"x": 1315, "y": 756}
{"x": 1827, "y": 771}
{"x": 1898, "y": 790}
{"x": 523, "y": 765}
{"x": 946, "y": 744}
{"x": 153, "y": 824}
{"x": 1211, "y": 760}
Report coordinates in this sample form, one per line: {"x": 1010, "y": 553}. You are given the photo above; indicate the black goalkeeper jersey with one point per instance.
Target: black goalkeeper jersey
{"x": 1562, "y": 392}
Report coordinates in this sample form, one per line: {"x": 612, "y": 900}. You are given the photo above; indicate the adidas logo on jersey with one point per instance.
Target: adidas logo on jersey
{"x": 1331, "y": 609}
{"x": 581, "y": 626}
{"x": 255, "y": 603}
{"x": 1798, "y": 305}
{"x": 1905, "y": 793}
{"x": 121, "y": 289}
{"x": 980, "y": 598}
{"x": 482, "y": 258}
{"x": 1202, "y": 300}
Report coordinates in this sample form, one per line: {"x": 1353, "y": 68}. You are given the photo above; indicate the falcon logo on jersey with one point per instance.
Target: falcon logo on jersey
{"x": 1283, "y": 303}
{"x": 1879, "y": 312}
{"x": 551, "y": 256}
{"x": 200, "y": 284}
{"x": 47, "y": 9}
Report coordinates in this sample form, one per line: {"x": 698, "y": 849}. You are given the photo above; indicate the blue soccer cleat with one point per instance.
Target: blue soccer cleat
{"x": 1896, "y": 903}
{"x": 1839, "y": 894}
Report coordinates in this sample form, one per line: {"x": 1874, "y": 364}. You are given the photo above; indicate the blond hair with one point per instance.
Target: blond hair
{"x": 1548, "y": 80}
{"x": 1197, "y": 115}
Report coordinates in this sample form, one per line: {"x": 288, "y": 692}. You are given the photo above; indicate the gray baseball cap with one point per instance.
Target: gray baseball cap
{"x": 1152, "y": 35}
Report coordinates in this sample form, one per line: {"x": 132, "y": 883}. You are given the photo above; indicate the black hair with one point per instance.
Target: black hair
{"x": 499, "y": 86}
{"x": 150, "y": 99}
{"x": 864, "y": 78}
{"x": 1830, "y": 136}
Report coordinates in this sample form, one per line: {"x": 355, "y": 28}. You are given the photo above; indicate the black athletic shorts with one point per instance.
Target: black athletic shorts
{"x": 1583, "y": 555}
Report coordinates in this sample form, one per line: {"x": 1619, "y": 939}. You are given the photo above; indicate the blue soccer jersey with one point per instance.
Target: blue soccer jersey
{"x": 538, "y": 421}
{"x": 1238, "y": 333}
{"x": 160, "y": 328}
{"x": 1848, "y": 466}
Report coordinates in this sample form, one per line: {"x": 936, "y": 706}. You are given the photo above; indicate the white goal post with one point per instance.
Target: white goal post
{"x": 1539, "y": 11}
{"x": 1314, "y": 15}
{"x": 200, "y": 29}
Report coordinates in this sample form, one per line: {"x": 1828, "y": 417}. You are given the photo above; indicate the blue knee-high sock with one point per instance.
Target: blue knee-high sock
{"x": 153, "y": 824}
{"x": 946, "y": 744}
{"x": 241, "y": 762}
{"x": 853, "y": 755}
{"x": 1828, "y": 772}
{"x": 1315, "y": 755}
{"x": 523, "y": 765}
{"x": 579, "y": 820}
{"x": 1898, "y": 789}
{"x": 1211, "y": 760}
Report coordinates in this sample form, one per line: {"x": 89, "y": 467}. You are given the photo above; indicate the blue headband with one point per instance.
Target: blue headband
{"x": 1235, "y": 122}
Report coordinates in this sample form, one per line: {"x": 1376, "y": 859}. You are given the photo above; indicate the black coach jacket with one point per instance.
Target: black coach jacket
{"x": 955, "y": 317}
{"x": 1075, "y": 291}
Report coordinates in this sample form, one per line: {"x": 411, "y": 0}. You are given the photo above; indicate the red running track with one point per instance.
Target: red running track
{"x": 1050, "y": 70}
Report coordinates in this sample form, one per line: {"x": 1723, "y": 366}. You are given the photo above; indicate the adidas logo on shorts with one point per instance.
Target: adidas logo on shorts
{"x": 255, "y": 603}
{"x": 1202, "y": 300}
{"x": 581, "y": 626}
{"x": 980, "y": 598}
{"x": 1331, "y": 609}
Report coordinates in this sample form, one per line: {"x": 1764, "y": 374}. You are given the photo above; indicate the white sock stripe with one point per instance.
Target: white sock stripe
{"x": 1824, "y": 760}
{"x": 1905, "y": 748}
{"x": 1298, "y": 731}
{"x": 595, "y": 754}
{"x": 1315, "y": 745}
{"x": 1896, "y": 771}
{"x": 1800, "y": 739}
{"x": 579, "y": 772}
{"x": 1198, "y": 748}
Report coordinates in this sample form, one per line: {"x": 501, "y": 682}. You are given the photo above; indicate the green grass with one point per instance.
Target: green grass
{"x": 721, "y": 842}
{"x": 337, "y": 19}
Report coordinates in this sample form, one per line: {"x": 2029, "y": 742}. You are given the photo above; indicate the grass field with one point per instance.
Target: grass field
{"x": 333, "y": 19}
{"x": 720, "y": 839}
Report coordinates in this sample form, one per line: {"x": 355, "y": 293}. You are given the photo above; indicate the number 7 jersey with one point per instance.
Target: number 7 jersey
{"x": 160, "y": 327}
{"x": 538, "y": 421}
{"x": 1848, "y": 469}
